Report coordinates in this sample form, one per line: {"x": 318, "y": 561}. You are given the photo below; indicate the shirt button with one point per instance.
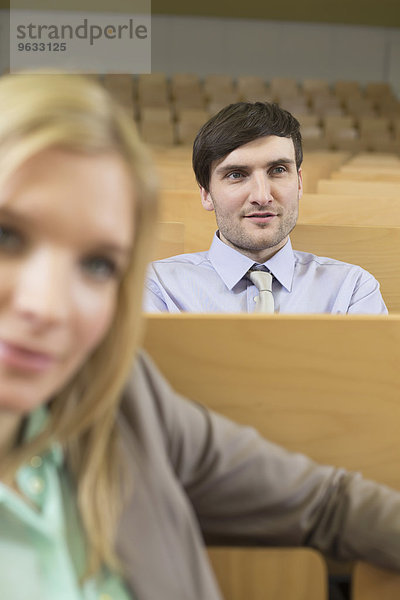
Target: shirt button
{"x": 255, "y": 298}
{"x": 36, "y": 485}
{"x": 36, "y": 462}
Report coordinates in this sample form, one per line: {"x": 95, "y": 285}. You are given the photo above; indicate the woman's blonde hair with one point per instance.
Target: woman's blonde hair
{"x": 43, "y": 110}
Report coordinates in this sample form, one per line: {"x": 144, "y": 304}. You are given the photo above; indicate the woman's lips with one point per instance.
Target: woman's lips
{"x": 23, "y": 359}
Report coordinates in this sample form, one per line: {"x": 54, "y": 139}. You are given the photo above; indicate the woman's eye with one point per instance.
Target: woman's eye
{"x": 100, "y": 268}
{"x": 10, "y": 239}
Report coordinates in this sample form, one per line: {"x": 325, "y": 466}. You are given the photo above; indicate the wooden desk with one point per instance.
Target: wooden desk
{"x": 325, "y": 385}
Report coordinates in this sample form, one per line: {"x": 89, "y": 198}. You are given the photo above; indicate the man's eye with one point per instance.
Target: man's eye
{"x": 100, "y": 268}
{"x": 235, "y": 175}
{"x": 278, "y": 170}
{"x": 10, "y": 239}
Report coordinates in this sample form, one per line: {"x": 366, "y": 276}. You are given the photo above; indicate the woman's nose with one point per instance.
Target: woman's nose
{"x": 42, "y": 293}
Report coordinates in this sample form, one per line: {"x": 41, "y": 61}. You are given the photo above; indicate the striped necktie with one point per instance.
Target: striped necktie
{"x": 262, "y": 279}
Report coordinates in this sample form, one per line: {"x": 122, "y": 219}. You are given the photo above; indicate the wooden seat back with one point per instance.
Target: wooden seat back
{"x": 169, "y": 240}
{"x": 269, "y": 573}
{"x": 365, "y": 174}
{"x": 359, "y": 188}
{"x": 331, "y": 209}
{"x": 376, "y": 249}
{"x": 371, "y": 583}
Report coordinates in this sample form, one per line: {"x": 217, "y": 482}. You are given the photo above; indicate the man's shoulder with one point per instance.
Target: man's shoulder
{"x": 195, "y": 258}
{"x": 307, "y": 258}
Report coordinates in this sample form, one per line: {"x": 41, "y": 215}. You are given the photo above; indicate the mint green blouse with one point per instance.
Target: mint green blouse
{"x": 42, "y": 550}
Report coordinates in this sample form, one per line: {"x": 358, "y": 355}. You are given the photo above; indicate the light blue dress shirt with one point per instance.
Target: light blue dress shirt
{"x": 42, "y": 549}
{"x": 215, "y": 281}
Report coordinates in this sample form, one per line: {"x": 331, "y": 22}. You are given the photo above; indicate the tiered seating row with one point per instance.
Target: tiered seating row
{"x": 341, "y": 116}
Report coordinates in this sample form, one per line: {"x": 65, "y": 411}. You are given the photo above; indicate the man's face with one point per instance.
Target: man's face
{"x": 255, "y": 193}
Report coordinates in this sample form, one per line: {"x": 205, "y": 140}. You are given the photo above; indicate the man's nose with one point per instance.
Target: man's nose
{"x": 42, "y": 293}
{"x": 261, "y": 192}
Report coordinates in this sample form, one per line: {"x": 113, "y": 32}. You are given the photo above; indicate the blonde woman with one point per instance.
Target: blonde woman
{"x": 108, "y": 479}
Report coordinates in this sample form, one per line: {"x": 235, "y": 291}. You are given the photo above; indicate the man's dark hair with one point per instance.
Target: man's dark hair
{"x": 238, "y": 124}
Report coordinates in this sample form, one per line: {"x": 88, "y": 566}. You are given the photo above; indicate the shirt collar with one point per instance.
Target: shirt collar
{"x": 32, "y": 477}
{"x": 281, "y": 265}
{"x": 37, "y": 421}
{"x": 232, "y": 266}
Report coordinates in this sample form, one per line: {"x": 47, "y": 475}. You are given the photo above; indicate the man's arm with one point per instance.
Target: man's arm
{"x": 367, "y": 297}
{"x": 152, "y": 300}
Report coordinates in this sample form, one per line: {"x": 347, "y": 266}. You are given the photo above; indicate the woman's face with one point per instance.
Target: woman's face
{"x": 66, "y": 229}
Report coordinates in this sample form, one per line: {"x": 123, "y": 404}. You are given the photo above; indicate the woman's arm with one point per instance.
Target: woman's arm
{"x": 245, "y": 489}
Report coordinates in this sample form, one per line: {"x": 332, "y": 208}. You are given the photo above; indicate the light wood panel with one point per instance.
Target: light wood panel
{"x": 319, "y": 165}
{"x": 200, "y": 228}
{"x": 366, "y": 174}
{"x": 324, "y": 385}
{"x": 175, "y": 153}
{"x": 376, "y": 249}
{"x": 179, "y": 205}
{"x": 374, "y": 159}
{"x": 358, "y": 188}
{"x": 382, "y": 166}
{"x": 176, "y": 177}
{"x": 331, "y": 209}
{"x": 185, "y": 206}
{"x": 371, "y": 583}
{"x": 169, "y": 240}
{"x": 269, "y": 573}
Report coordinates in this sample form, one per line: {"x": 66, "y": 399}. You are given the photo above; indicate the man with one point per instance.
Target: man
{"x": 247, "y": 160}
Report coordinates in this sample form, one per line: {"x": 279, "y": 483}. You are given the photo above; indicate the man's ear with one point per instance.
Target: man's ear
{"x": 300, "y": 179}
{"x": 206, "y": 199}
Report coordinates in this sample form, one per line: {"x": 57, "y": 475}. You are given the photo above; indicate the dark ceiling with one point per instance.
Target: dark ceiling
{"x": 384, "y": 13}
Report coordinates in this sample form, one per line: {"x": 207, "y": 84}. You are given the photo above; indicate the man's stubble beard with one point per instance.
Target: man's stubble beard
{"x": 243, "y": 241}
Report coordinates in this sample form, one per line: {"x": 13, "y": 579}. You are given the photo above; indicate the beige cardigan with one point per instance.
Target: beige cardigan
{"x": 198, "y": 475}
